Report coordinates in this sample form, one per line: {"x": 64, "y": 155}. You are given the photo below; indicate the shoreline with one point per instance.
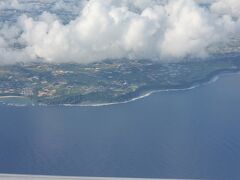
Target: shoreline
{"x": 139, "y": 97}
{"x": 210, "y": 81}
{"x": 203, "y": 82}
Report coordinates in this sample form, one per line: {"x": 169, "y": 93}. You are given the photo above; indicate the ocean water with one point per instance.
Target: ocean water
{"x": 179, "y": 134}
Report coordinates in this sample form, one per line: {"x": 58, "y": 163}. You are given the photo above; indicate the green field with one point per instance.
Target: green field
{"x": 107, "y": 81}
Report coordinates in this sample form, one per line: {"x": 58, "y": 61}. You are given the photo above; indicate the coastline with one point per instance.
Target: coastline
{"x": 208, "y": 80}
{"x": 144, "y": 95}
{"x": 16, "y": 101}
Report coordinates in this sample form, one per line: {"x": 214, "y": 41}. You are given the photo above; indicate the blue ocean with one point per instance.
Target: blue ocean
{"x": 179, "y": 134}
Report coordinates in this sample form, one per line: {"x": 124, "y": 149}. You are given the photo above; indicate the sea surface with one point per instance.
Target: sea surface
{"x": 177, "y": 134}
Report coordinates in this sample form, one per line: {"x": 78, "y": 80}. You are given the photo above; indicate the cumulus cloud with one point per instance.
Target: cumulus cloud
{"x": 114, "y": 29}
{"x": 227, "y": 7}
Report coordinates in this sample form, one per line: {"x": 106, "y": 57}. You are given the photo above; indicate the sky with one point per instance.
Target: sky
{"x": 162, "y": 30}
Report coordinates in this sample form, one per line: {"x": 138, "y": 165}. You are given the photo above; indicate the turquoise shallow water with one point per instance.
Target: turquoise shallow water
{"x": 180, "y": 134}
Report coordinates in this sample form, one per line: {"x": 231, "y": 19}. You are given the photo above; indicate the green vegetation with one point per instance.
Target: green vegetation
{"x": 107, "y": 81}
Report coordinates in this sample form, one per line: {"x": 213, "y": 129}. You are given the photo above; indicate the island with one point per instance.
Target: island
{"x": 108, "y": 81}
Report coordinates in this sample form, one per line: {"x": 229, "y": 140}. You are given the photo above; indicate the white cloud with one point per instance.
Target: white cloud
{"x": 227, "y": 7}
{"x": 113, "y": 29}
{"x": 190, "y": 30}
